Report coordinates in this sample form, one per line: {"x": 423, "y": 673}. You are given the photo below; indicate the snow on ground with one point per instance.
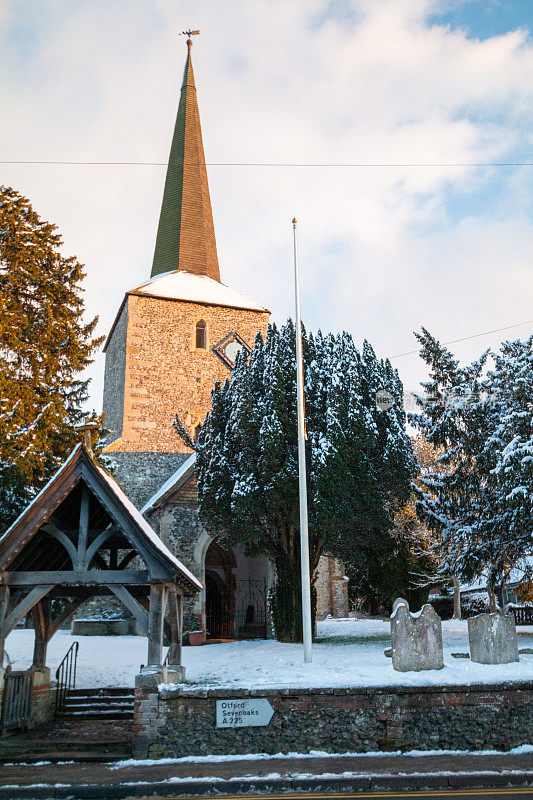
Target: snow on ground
{"x": 349, "y": 653}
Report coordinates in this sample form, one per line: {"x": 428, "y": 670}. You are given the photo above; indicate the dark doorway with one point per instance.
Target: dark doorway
{"x": 220, "y": 619}
{"x": 220, "y": 568}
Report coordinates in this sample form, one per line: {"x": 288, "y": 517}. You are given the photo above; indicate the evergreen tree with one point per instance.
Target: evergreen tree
{"x": 503, "y": 535}
{"x": 479, "y": 501}
{"x": 359, "y": 460}
{"x": 44, "y": 344}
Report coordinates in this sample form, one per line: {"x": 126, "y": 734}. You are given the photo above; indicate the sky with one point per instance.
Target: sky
{"x": 411, "y": 91}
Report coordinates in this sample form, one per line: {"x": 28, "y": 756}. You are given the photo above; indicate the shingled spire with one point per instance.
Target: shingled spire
{"x": 186, "y": 235}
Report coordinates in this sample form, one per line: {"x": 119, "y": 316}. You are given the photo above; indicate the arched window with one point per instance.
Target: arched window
{"x": 197, "y": 431}
{"x": 201, "y": 335}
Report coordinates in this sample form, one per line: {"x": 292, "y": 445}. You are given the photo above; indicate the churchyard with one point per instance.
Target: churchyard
{"x": 348, "y": 652}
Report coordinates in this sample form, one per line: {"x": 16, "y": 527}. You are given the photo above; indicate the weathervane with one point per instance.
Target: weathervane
{"x": 189, "y": 33}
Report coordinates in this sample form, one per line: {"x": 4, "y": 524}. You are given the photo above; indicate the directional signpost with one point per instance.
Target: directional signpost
{"x": 243, "y": 713}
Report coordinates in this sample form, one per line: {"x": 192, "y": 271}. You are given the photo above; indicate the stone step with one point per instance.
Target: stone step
{"x": 72, "y": 707}
{"x": 111, "y": 691}
{"x": 94, "y": 714}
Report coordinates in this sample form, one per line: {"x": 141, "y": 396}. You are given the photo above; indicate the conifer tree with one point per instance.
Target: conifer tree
{"x": 44, "y": 344}
{"x": 479, "y": 502}
{"x": 359, "y": 460}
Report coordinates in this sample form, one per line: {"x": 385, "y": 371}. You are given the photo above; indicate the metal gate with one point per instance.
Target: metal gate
{"x": 16, "y": 700}
{"x": 243, "y": 614}
{"x": 251, "y": 610}
{"x": 220, "y": 619}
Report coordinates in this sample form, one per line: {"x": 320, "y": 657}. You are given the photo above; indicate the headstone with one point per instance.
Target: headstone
{"x": 493, "y": 638}
{"x": 416, "y": 639}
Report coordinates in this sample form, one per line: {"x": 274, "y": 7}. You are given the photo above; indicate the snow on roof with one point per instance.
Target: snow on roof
{"x": 128, "y": 505}
{"x": 63, "y": 466}
{"x": 145, "y": 526}
{"x": 170, "y": 483}
{"x": 181, "y": 285}
{"x": 516, "y": 575}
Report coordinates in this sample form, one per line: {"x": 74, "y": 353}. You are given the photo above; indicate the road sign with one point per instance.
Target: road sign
{"x": 243, "y": 713}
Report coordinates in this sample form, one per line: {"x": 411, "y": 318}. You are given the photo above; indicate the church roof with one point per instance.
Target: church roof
{"x": 181, "y": 285}
{"x": 186, "y": 235}
{"x": 178, "y": 479}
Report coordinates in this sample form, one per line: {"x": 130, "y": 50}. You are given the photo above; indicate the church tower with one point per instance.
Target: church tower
{"x": 173, "y": 337}
{"x": 178, "y": 332}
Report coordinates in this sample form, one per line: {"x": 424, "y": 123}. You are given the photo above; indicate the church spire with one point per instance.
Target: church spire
{"x": 186, "y": 235}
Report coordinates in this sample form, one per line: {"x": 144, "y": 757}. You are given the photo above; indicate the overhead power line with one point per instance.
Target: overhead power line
{"x": 466, "y": 338}
{"x": 307, "y": 165}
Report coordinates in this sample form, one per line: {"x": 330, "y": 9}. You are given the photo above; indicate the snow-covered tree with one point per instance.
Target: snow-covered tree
{"x": 359, "y": 460}
{"x": 478, "y": 501}
{"x": 44, "y": 344}
{"x": 505, "y": 530}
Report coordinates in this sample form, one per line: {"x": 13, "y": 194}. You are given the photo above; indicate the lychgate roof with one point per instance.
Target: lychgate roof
{"x": 46, "y": 539}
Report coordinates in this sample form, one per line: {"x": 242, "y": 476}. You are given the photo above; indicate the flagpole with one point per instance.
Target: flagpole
{"x": 304, "y": 532}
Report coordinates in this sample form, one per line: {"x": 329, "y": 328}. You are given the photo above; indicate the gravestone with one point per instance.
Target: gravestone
{"x": 416, "y": 639}
{"x": 493, "y": 638}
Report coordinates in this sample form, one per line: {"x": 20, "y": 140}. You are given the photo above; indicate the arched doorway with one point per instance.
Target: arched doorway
{"x": 235, "y": 593}
{"x": 220, "y": 589}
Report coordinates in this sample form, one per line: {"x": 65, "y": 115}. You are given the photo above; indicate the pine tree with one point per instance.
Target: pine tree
{"x": 44, "y": 344}
{"x": 359, "y": 461}
{"x": 479, "y": 501}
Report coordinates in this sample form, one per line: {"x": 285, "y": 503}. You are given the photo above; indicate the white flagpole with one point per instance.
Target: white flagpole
{"x": 304, "y": 533}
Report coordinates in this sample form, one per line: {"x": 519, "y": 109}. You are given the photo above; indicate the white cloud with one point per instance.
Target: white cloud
{"x": 281, "y": 81}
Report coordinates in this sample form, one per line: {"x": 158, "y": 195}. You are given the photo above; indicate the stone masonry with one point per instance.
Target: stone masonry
{"x": 163, "y": 371}
{"x": 181, "y": 722}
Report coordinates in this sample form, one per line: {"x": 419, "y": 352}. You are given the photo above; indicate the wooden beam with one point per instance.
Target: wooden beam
{"x": 140, "y": 614}
{"x": 97, "y": 543}
{"x": 152, "y": 557}
{"x": 25, "y": 605}
{"x": 79, "y": 577}
{"x": 62, "y": 537}
{"x": 84, "y": 526}
{"x": 127, "y": 558}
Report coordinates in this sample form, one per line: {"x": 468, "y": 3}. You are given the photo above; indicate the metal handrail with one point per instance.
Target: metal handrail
{"x": 66, "y": 675}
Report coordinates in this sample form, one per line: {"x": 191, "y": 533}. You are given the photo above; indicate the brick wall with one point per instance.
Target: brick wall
{"x": 43, "y": 701}
{"x": 164, "y": 373}
{"x": 182, "y": 722}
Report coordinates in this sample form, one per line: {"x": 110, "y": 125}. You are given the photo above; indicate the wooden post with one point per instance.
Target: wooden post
{"x": 41, "y": 613}
{"x": 175, "y": 620}
{"x": 4, "y": 602}
{"x": 84, "y": 526}
{"x": 156, "y": 620}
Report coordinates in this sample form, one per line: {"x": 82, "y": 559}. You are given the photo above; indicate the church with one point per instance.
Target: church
{"x": 173, "y": 337}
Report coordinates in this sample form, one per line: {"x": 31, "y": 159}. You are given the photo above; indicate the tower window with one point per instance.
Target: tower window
{"x": 201, "y": 335}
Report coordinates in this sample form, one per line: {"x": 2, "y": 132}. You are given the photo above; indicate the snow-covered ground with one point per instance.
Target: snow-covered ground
{"x": 349, "y": 653}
